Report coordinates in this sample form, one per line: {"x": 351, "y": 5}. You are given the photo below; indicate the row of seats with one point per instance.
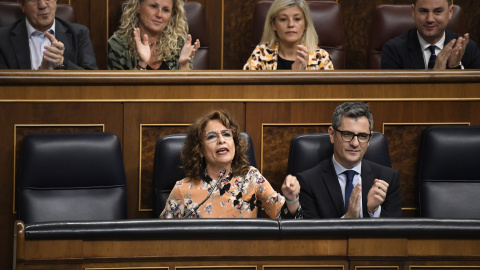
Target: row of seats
{"x": 81, "y": 176}
{"x": 389, "y": 21}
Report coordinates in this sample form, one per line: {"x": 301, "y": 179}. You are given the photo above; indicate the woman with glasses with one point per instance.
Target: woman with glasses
{"x": 219, "y": 182}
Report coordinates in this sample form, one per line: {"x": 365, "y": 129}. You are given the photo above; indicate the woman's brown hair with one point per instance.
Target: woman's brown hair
{"x": 193, "y": 163}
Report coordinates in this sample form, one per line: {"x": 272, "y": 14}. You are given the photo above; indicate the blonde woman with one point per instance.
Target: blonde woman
{"x": 289, "y": 40}
{"x": 153, "y": 35}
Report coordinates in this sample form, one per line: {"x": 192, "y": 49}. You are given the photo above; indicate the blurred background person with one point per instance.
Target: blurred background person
{"x": 153, "y": 34}
{"x": 430, "y": 45}
{"x": 289, "y": 40}
{"x": 219, "y": 183}
{"x": 42, "y": 41}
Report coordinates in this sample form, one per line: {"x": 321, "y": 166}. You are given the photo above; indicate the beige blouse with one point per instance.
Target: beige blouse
{"x": 238, "y": 197}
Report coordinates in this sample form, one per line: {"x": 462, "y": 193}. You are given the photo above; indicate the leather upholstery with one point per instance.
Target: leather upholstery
{"x": 197, "y": 27}
{"x": 390, "y": 21}
{"x": 215, "y": 229}
{"x": 307, "y": 150}
{"x": 71, "y": 176}
{"x": 449, "y": 172}
{"x": 11, "y": 11}
{"x": 167, "y": 167}
{"x": 328, "y": 21}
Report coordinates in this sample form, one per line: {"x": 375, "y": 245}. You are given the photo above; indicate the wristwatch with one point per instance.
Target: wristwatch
{"x": 460, "y": 66}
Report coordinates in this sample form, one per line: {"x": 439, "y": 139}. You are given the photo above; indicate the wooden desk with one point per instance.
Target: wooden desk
{"x": 348, "y": 244}
{"x": 272, "y": 107}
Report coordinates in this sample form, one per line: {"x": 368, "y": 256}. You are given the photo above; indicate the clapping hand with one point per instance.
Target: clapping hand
{"x": 53, "y": 54}
{"x": 188, "y": 52}
{"x": 142, "y": 47}
{"x": 301, "y": 62}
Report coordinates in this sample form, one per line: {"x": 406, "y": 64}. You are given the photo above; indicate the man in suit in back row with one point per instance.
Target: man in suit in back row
{"x": 346, "y": 186}
{"x": 430, "y": 45}
{"x": 41, "y": 41}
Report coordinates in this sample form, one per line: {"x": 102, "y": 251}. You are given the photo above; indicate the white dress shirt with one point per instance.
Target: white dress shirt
{"x": 342, "y": 180}
{"x": 37, "y": 42}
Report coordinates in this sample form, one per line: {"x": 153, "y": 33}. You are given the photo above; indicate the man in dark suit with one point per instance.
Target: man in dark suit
{"x": 345, "y": 185}
{"x": 41, "y": 41}
{"x": 429, "y": 45}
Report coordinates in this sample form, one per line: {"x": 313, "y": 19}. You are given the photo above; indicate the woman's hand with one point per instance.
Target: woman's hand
{"x": 301, "y": 62}
{"x": 290, "y": 187}
{"x": 142, "y": 47}
{"x": 188, "y": 52}
{"x": 291, "y": 191}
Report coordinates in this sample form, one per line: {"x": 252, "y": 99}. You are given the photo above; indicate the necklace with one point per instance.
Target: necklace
{"x": 153, "y": 43}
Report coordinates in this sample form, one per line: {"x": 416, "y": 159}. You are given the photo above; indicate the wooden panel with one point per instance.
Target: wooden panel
{"x": 199, "y": 249}
{"x": 472, "y": 17}
{"x": 377, "y": 266}
{"x": 214, "y": 10}
{"x": 238, "y": 30}
{"x": 149, "y": 136}
{"x": 446, "y": 266}
{"x": 63, "y": 249}
{"x": 282, "y": 254}
{"x": 378, "y": 247}
{"x": 357, "y": 19}
{"x": 305, "y": 267}
{"x": 276, "y": 145}
{"x": 259, "y": 114}
{"x": 440, "y": 248}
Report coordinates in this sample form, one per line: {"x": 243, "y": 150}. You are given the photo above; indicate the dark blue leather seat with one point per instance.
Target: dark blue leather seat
{"x": 449, "y": 175}
{"x": 71, "y": 176}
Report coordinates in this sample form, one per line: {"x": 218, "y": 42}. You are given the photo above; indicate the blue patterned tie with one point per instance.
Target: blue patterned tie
{"x": 348, "y": 186}
{"x": 433, "y": 57}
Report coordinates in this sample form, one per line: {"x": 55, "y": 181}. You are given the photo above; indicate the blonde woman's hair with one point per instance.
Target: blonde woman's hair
{"x": 176, "y": 29}
{"x": 309, "y": 38}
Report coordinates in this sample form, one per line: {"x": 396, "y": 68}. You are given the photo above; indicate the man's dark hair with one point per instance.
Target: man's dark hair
{"x": 352, "y": 110}
{"x": 450, "y": 2}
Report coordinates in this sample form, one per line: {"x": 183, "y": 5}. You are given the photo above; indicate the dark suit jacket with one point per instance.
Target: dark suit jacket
{"x": 404, "y": 52}
{"x": 321, "y": 196}
{"x": 15, "y": 51}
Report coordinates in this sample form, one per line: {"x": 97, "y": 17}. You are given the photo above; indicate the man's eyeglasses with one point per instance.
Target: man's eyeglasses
{"x": 348, "y": 136}
{"x": 212, "y": 136}
{"x": 34, "y": 2}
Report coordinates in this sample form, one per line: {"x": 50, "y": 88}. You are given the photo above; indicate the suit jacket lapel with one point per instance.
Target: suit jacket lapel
{"x": 19, "y": 41}
{"x": 448, "y": 37}
{"x": 63, "y": 34}
{"x": 331, "y": 182}
{"x": 367, "y": 182}
{"x": 415, "y": 51}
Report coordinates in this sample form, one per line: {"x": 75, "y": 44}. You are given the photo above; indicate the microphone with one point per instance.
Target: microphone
{"x": 190, "y": 212}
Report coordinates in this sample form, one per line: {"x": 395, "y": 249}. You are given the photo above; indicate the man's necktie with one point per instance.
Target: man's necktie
{"x": 433, "y": 57}
{"x": 348, "y": 186}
